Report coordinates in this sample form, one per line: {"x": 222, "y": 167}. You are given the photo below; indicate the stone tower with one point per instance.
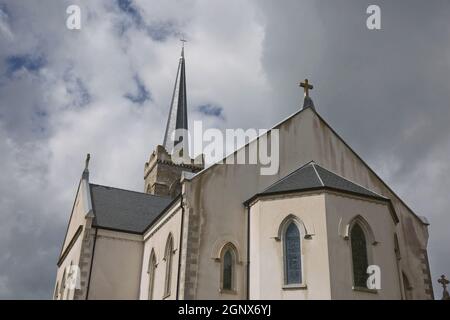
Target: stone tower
{"x": 162, "y": 173}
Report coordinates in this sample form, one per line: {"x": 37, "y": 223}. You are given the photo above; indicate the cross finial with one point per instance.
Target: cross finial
{"x": 306, "y": 87}
{"x": 88, "y": 157}
{"x": 444, "y": 282}
{"x": 183, "y": 40}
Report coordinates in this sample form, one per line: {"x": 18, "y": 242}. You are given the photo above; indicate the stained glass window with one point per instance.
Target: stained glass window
{"x": 227, "y": 270}
{"x": 292, "y": 254}
{"x": 359, "y": 256}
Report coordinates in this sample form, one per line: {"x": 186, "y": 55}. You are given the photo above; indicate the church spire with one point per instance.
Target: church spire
{"x": 178, "y": 110}
{"x": 164, "y": 170}
{"x": 307, "y": 101}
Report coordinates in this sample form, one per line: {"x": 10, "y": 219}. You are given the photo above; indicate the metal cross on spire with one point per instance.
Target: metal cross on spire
{"x": 306, "y": 87}
{"x": 183, "y": 40}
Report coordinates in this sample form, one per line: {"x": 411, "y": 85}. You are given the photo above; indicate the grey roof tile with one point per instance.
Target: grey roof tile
{"x": 313, "y": 176}
{"x": 303, "y": 178}
{"x": 125, "y": 210}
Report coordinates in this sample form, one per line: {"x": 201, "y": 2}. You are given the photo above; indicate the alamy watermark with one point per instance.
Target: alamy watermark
{"x": 373, "y": 22}
{"x": 263, "y": 146}
{"x": 73, "y": 21}
{"x": 374, "y": 280}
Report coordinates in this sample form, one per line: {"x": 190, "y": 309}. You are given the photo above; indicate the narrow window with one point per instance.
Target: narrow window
{"x": 168, "y": 258}
{"x": 228, "y": 268}
{"x": 359, "y": 256}
{"x": 292, "y": 255}
{"x": 151, "y": 274}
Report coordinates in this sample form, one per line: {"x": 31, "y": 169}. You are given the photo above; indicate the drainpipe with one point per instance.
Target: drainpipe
{"x": 248, "y": 252}
{"x": 179, "y": 247}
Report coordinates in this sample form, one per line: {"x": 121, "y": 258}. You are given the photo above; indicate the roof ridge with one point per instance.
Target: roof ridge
{"x": 121, "y": 189}
{"x": 317, "y": 173}
{"x": 351, "y": 181}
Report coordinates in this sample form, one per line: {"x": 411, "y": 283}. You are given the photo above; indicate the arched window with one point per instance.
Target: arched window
{"x": 228, "y": 268}
{"x": 359, "y": 255}
{"x": 292, "y": 254}
{"x": 168, "y": 258}
{"x": 151, "y": 274}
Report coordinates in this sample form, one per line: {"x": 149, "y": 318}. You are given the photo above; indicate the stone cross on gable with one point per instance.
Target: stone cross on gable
{"x": 306, "y": 87}
{"x": 444, "y": 282}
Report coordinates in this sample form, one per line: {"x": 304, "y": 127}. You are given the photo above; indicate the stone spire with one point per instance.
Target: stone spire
{"x": 178, "y": 111}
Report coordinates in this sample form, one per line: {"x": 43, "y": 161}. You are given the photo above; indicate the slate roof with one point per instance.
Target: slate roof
{"x": 125, "y": 210}
{"x": 311, "y": 177}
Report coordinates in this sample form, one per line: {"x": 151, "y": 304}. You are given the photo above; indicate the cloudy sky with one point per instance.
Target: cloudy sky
{"x": 105, "y": 89}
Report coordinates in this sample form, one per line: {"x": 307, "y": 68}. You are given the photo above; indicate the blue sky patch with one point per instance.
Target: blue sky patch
{"x": 4, "y": 12}
{"x": 211, "y": 110}
{"x": 142, "y": 94}
{"x": 80, "y": 93}
{"x": 129, "y": 8}
{"x": 158, "y": 31}
{"x": 26, "y": 61}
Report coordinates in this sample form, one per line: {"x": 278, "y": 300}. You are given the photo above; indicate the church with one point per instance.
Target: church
{"x": 325, "y": 226}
